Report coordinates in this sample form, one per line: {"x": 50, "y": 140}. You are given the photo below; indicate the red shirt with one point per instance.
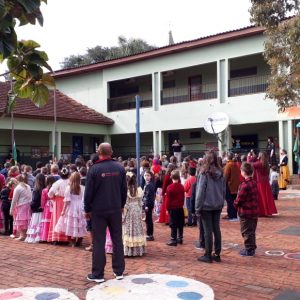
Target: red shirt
{"x": 2, "y": 182}
{"x": 175, "y": 196}
{"x": 188, "y": 186}
{"x": 246, "y": 201}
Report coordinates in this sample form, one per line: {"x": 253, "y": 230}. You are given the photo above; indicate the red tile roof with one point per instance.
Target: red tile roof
{"x": 175, "y": 48}
{"x": 67, "y": 109}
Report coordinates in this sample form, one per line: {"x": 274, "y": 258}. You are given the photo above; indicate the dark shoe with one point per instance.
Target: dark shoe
{"x": 205, "y": 259}
{"x": 150, "y": 238}
{"x": 78, "y": 242}
{"x": 216, "y": 258}
{"x": 172, "y": 243}
{"x": 92, "y": 277}
{"x": 245, "y": 252}
{"x": 119, "y": 276}
{"x": 179, "y": 241}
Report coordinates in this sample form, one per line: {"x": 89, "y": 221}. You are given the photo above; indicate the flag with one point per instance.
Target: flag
{"x": 14, "y": 154}
{"x": 296, "y": 150}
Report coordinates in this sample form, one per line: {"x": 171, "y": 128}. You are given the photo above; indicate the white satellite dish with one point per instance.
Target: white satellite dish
{"x": 216, "y": 122}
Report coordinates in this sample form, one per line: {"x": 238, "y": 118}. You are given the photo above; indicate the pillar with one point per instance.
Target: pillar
{"x": 156, "y": 90}
{"x": 156, "y": 143}
{"x": 222, "y": 78}
{"x": 161, "y": 143}
{"x": 290, "y": 144}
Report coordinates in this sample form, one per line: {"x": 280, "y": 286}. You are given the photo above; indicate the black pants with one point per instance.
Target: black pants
{"x": 211, "y": 224}
{"x": 8, "y": 219}
{"x": 99, "y": 224}
{"x": 149, "y": 221}
{"x": 248, "y": 229}
{"x": 231, "y": 211}
{"x": 201, "y": 232}
{"x": 176, "y": 223}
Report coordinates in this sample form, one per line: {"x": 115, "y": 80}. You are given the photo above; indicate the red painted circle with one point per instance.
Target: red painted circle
{"x": 10, "y": 295}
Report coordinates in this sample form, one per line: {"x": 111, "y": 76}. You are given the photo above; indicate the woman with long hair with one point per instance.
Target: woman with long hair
{"x": 266, "y": 203}
{"x": 210, "y": 196}
{"x": 284, "y": 176}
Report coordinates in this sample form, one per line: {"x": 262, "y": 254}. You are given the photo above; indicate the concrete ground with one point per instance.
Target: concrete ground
{"x": 236, "y": 277}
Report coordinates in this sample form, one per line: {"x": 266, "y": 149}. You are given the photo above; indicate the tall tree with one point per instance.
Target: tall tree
{"x": 281, "y": 19}
{"x": 25, "y": 63}
{"x": 125, "y": 47}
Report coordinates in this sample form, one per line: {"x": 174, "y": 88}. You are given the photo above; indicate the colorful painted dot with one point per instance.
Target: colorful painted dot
{"x": 295, "y": 256}
{"x": 142, "y": 280}
{"x": 47, "y": 296}
{"x": 10, "y": 295}
{"x": 177, "y": 283}
{"x": 114, "y": 290}
{"x": 189, "y": 296}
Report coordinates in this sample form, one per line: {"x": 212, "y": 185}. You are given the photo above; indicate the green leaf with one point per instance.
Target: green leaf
{"x": 30, "y": 44}
{"x": 30, "y": 5}
{"x": 26, "y": 90}
{"x": 48, "y": 80}
{"x": 40, "y": 95}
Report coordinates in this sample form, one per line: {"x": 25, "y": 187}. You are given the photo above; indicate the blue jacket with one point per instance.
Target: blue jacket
{"x": 105, "y": 188}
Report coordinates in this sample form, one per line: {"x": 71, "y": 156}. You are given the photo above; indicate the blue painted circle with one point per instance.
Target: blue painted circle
{"x": 189, "y": 296}
{"x": 47, "y": 296}
{"x": 142, "y": 280}
{"x": 177, "y": 283}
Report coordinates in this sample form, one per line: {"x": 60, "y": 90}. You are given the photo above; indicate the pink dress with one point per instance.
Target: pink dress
{"x": 266, "y": 203}
{"x": 1, "y": 217}
{"x": 20, "y": 207}
{"x": 57, "y": 192}
{"x": 108, "y": 243}
{"x": 47, "y": 206}
{"x": 72, "y": 223}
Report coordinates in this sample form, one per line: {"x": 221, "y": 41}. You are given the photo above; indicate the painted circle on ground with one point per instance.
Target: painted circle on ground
{"x": 177, "y": 283}
{"x": 294, "y": 256}
{"x": 37, "y": 293}
{"x": 227, "y": 246}
{"x": 274, "y": 253}
{"x": 47, "y": 296}
{"x": 158, "y": 287}
{"x": 10, "y": 295}
{"x": 189, "y": 296}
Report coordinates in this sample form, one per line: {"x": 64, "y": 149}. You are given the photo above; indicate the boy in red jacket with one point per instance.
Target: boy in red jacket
{"x": 246, "y": 204}
{"x": 174, "y": 205}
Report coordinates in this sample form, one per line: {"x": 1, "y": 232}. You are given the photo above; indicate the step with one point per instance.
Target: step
{"x": 293, "y": 187}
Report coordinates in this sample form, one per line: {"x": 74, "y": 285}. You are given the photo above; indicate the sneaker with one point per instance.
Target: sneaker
{"x": 119, "y": 276}
{"x": 245, "y": 252}
{"x": 216, "y": 258}
{"x": 199, "y": 246}
{"x": 233, "y": 220}
{"x": 172, "y": 243}
{"x": 92, "y": 277}
{"x": 150, "y": 238}
{"x": 89, "y": 248}
{"x": 12, "y": 236}
{"x": 205, "y": 259}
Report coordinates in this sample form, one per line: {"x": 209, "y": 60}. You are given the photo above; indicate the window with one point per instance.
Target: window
{"x": 168, "y": 84}
{"x": 195, "y": 134}
{"x": 243, "y": 72}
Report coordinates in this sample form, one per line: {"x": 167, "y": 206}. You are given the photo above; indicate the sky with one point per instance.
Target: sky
{"x": 72, "y": 26}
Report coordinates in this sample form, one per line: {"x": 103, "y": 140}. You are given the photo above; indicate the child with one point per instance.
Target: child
{"x": 274, "y": 177}
{"x": 46, "y": 204}
{"x": 188, "y": 192}
{"x": 148, "y": 204}
{"x": 72, "y": 222}
{"x": 6, "y": 203}
{"x": 174, "y": 204}
{"x": 246, "y": 204}
{"x": 20, "y": 207}
{"x": 133, "y": 233}
{"x": 33, "y": 232}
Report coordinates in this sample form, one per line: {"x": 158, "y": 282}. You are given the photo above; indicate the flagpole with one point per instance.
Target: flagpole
{"x": 12, "y": 127}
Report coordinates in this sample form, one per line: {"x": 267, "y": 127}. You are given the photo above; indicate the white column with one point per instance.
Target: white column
{"x": 156, "y": 88}
{"x": 222, "y": 79}
{"x": 280, "y": 134}
{"x": 107, "y": 138}
{"x": 290, "y": 145}
{"x": 155, "y": 142}
{"x": 161, "y": 142}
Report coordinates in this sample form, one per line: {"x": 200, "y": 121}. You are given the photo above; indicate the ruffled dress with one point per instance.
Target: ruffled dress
{"x": 134, "y": 239}
{"x": 72, "y": 223}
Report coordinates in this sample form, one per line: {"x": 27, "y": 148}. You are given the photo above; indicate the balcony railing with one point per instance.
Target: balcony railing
{"x": 128, "y": 102}
{"x": 248, "y": 85}
{"x": 189, "y": 93}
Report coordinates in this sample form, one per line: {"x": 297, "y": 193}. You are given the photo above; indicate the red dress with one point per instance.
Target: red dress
{"x": 164, "y": 216}
{"x": 266, "y": 203}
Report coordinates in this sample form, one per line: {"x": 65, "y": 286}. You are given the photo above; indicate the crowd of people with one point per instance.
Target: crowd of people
{"x": 100, "y": 200}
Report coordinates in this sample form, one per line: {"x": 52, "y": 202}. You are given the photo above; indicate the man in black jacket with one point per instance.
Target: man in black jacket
{"x": 104, "y": 199}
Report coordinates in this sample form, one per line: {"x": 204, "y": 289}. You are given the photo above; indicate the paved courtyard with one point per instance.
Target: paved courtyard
{"x": 273, "y": 276}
